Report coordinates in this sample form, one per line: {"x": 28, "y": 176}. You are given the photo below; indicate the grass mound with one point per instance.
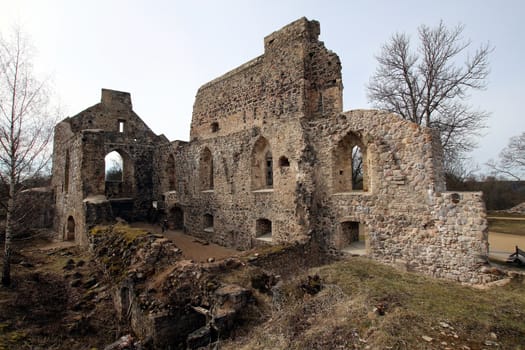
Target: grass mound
{"x": 363, "y": 304}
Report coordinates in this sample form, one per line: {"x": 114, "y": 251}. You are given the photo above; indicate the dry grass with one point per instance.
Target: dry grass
{"x": 342, "y": 315}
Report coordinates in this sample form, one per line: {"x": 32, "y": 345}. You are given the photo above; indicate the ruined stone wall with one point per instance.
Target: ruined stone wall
{"x": 297, "y": 76}
{"x": 81, "y": 144}
{"x": 34, "y": 209}
{"x": 262, "y": 105}
{"x": 67, "y": 184}
{"x": 404, "y": 218}
{"x": 233, "y": 203}
{"x": 270, "y": 160}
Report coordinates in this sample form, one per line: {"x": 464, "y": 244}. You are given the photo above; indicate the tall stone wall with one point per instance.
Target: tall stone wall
{"x": 67, "y": 183}
{"x": 296, "y": 77}
{"x": 262, "y": 104}
{"x": 234, "y": 204}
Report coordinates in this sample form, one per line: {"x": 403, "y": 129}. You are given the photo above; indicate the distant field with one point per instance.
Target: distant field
{"x": 507, "y": 224}
{"x": 505, "y": 215}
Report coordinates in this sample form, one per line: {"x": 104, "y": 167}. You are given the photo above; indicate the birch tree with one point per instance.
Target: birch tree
{"x": 26, "y": 127}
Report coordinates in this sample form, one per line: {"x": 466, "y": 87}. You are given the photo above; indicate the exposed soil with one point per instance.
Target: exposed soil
{"x": 504, "y": 242}
{"x": 192, "y": 248}
{"x": 56, "y": 301}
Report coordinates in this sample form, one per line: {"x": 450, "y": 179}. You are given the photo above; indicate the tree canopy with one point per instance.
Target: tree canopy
{"x": 429, "y": 86}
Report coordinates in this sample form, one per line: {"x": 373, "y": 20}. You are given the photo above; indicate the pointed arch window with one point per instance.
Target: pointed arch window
{"x": 114, "y": 166}
{"x": 206, "y": 170}
{"x": 350, "y": 165}
{"x": 262, "y": 165}
{"x": 269, "y": 169}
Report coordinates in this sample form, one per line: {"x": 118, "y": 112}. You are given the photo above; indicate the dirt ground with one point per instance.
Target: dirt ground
{"x": 192, "y": 248}
{"x": 56, "y": 300}
{"x": 502, "y": 244}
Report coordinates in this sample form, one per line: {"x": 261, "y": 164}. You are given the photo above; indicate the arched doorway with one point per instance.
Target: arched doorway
{"x": 352, "y": 237}
{"x": 263, "y": 229}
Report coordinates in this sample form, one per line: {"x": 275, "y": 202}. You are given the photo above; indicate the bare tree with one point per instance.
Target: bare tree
{"x": 357, "y": 168}
{"x": 511, "y": 159}
{"x": 114, "y": 170}
{"x": 430, "y": 87}
{"x": 26, "y": 128}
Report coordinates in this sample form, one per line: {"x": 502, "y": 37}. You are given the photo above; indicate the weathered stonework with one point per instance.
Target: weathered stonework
{"x": 80, "y": 145}
{"x": 270, "y": 160}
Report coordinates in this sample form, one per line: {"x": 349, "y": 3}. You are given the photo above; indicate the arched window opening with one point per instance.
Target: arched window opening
{"x": 119, "y": 174}
{"x": 357, "y": 169}
{"x": 262, "y": 165}
{"x": 66, "y": 173}
{"x": 208, "y": 223}
{"x": 263, "y": 229}
{"x": 170, "y": 173}
{"x": 206, "y": 170}
{"x": 269, "y": 169}
{"x": 284, "y": 162}
{"x": 350, "y": 165}
{"x": 70, "y": 229}
{"x": 214, "y": 127}
{"x": 114, "y": 167}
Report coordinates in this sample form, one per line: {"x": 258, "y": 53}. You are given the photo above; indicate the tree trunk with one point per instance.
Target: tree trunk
{"x": 6, "y": 273}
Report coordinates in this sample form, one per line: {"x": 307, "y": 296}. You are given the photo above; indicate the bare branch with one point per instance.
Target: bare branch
{"x": 511, "y": 158}
{"x": 25, "y": 127}
{"x": 429, "y": 87}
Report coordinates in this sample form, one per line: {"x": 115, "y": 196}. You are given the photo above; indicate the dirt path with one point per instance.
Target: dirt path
{"x": 501, "y": 245}
{"x": 45, "y": 246}
{"x": 192, "y": 248}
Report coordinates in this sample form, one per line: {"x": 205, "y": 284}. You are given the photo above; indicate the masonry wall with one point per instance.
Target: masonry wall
{"x": 405, "y": 216}
{"x": 262, "y": 104}
{"x": 67, "y": 184}
{"x": 81, "y": 144}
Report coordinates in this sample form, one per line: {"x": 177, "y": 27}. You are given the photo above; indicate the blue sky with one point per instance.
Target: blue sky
{"x": 162, "y": 51}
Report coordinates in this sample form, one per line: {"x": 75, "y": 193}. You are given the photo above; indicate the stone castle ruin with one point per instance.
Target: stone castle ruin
{"x": 272, "y": 158}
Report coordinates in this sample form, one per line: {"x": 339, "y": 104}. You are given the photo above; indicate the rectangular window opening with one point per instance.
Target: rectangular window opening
{"x": 121, "y": 125}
